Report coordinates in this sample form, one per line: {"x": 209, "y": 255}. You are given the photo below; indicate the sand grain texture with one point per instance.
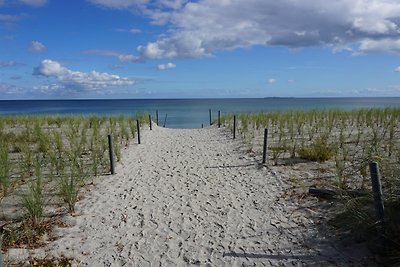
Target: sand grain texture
{"x": 191, "y": 197}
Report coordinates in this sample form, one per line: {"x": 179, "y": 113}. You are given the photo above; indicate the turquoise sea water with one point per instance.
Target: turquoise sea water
{"x": 185, "y": 113}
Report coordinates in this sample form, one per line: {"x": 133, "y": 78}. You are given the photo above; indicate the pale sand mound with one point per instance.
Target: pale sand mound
{"x": 189, "y": 197}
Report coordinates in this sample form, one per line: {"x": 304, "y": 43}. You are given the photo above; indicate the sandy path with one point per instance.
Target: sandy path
{"x": 189, "y": 197}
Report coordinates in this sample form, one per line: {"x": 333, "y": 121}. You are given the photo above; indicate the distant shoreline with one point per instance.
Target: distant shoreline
{"x": 222, "y": 98}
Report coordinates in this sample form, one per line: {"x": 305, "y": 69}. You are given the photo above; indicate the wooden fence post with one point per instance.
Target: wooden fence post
{"x": 377, "y": 191}
{"x": 165, "y": 121}
{"x": 138, "y": 131}
{"x": 157, "y": 116}
{"x": 265, "y": 146}
{"x": 234, "y": 126}
{"x": 210, "y": 116}
{"x": 111, "y": 153}
{"x": 378, "y": 202}
{"x": 219, "y": 118}
{"x": 150, "y": 122}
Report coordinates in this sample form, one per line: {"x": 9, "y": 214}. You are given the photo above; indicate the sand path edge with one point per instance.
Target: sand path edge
{"x": 190, "y": 197}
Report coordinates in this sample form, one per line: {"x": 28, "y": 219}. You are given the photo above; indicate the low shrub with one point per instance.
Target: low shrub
{"x": 319, "y": 151}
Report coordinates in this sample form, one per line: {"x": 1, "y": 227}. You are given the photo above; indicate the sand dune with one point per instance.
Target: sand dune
{"x": 191, "y": 197}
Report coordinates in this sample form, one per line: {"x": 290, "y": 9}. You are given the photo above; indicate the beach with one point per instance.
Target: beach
{"x": 188, "y": 197}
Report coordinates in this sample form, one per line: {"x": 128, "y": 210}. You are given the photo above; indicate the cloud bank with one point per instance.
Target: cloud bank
{"x": 201, "y": 28}
{"x": 79, "y": 80}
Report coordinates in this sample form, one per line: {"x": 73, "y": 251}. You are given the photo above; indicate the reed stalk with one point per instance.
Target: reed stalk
{"x": 32, "y": 199}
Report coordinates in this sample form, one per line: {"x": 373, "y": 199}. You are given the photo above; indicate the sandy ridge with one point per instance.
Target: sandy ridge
{"x": 191, "y": 197}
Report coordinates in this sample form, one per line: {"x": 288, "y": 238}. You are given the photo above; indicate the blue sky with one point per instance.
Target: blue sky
{"x": 52, "y": 49}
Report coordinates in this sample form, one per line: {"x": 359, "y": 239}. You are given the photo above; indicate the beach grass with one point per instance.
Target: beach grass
{"x": 40, "y": 155}
{"x": 337, "y": 146}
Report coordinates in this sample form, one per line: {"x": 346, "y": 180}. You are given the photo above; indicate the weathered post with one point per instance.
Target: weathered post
{"x": 138, "y": 131}
{"x": 219, "y": 118}
{"x": 111, "y": 153}
{"x": 377, "y": 191}
{"x": 202, "y": 126}
{"x": 265, "y": 146}
{"x": 378, "y": 202}
{"x": 210, "y": 116}
{"x": 165, "y": 121}
{"x": 150, "y": 122}
{"x": 157, "y": 116}
{"x": 234, "y": 126}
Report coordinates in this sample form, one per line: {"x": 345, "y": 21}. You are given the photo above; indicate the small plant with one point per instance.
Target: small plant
{"x": 69, "y": 187}
{"x": 276, "y": 152}
{"x": 318, "y": 151}
{"x": 32, "y": 199}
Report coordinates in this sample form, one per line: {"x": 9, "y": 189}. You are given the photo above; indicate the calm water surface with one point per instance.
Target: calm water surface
{"x": 185, "y": 113}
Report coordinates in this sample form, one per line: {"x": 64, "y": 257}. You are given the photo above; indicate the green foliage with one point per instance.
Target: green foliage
{"x": 69, "y": 187}
{"x": 57, "y": 153}
{"x": 4, "y": 168}
{"x": 32, "y": 198}
{"x": 276, "y": 152}
{"x": 319, "y": 151}
{"x": 347, "y": 140}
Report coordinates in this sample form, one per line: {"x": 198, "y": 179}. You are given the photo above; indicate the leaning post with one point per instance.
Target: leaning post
{"x": 265, "y": 146}
{"x": 111, "y": 153}
{"x": 138, "y": 131}
{"x": 378, "y": 202}
{"x": 165, "y": 120}
{"x": 209, "y": 111}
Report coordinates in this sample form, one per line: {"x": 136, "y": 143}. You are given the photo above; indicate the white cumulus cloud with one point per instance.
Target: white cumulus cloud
{"x": 391, "y": 45}
{"x": 83, "y": 80}
{"x": 397, "y": 69}
{"x": 37, "y": 47}
{"x": 166, "y": 66}
{"x": 203, "y": 27}
{"x": 271, "y": 81}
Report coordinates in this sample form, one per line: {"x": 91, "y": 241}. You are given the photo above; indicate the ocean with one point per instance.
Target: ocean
{"x": 186, "y": 113}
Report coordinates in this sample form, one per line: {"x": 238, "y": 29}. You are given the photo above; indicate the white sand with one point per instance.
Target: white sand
{"x": 191, "y": 197}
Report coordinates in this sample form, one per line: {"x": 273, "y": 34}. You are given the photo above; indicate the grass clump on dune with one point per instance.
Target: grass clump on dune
{"x": 317, "y": 151}
{"x": 46, "y": 160}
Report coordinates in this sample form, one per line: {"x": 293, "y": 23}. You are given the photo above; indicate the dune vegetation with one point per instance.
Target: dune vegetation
{"x": 45, "y": 161}
{"x": 336, "y": 146}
